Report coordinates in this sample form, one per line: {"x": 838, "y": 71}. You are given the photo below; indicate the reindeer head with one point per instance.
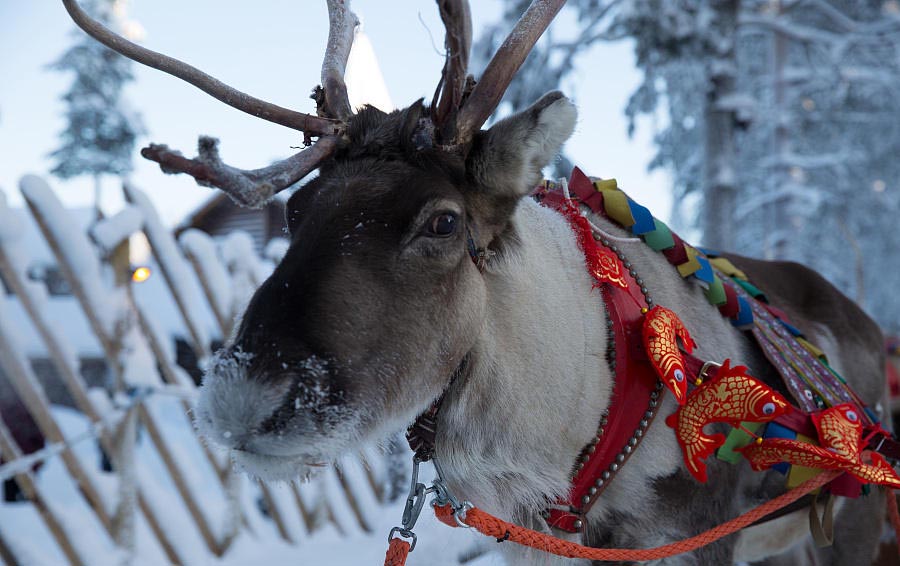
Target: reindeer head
{"x": 377, "y": 301}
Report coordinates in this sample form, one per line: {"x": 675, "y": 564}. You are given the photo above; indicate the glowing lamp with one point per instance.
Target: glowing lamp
{"x": 141, "y": 274}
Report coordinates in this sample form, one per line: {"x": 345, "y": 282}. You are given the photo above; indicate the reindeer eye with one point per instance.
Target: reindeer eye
{"x": 442, "y": 225}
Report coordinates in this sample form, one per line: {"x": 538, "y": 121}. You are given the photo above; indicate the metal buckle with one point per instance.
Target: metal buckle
{"x": 460, "y": 514}
{"x": 415, "y": 500}
{"x": 443, "y": 496}
{"x": 404, "y": 533}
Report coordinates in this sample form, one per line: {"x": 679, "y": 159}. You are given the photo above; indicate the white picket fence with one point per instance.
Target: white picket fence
{"x": 169, "y": 498}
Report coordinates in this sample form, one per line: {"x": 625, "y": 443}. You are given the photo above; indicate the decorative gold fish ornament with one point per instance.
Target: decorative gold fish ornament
{"x": 729, "y": 396}
{"x": 662, "y": 328}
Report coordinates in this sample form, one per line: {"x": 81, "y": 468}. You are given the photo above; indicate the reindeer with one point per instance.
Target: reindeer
{"x": 377, "y": 311}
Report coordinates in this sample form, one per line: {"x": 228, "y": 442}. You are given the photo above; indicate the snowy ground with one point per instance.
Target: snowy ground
{"x": 32, "y": 543}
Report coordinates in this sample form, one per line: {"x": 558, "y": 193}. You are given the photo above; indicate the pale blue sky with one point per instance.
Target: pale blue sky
{"x": 272, "y": 49}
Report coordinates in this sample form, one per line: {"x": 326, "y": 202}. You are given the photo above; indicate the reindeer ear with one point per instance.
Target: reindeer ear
{"x": 507, "y": 159}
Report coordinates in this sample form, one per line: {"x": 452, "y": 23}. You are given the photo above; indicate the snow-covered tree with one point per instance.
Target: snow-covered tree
{"x": 783, "y": 123}
{"x": 783, "y": 126}
{"x": 101, "y": 128}
{"x": 823, "y": 183}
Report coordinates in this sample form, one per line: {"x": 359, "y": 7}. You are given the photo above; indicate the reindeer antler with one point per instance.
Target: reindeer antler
{"x": 457, "y": 116}
{"x": 458, "y": 43}
{"x": 252, "y": 188}
{"x": 343, "y": 22}
{"x": 489, "y": 89}
{"x": 248, "y": 187}
{"x": 312, "y": 125}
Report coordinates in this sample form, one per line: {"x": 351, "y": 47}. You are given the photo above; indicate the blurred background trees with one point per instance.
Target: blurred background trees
{"x": 101, "y": 127}
{"x": 782, "y": 130}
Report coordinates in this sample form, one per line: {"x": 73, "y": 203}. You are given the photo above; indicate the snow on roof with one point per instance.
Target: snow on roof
{"x": 217, "y": 198}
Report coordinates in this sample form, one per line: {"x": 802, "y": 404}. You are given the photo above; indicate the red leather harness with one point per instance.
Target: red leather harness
{"x": 636, "y": 389}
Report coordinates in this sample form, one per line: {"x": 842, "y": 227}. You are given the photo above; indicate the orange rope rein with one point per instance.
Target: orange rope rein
{"x": 397, "y": 552}
{"x": 497, "y": 528}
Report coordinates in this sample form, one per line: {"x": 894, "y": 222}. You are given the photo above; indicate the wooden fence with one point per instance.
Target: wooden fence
{"x": 164, "y": 493}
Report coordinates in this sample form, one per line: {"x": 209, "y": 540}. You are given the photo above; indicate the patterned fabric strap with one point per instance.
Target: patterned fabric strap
{"x": 604, "y": 197}
{"x": 804, "y": 367}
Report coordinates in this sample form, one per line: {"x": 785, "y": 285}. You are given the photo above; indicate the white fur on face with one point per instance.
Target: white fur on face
{"x": 539, "y": 383}
{"x": 232, "y": 406}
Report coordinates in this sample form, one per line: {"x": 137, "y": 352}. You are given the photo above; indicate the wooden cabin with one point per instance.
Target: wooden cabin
{"x": 219, "y": 216}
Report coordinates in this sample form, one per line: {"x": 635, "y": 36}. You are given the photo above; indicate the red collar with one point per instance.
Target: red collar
{"x": 637, "y": 389}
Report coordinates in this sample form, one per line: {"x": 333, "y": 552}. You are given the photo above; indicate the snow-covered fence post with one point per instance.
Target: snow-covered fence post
{"x": 309, "y": 519}
{"x": 32, "y": 297}
{"x": 201, "y": 252}
{"x": 170, "y": 371}
{"x": 6, "y": 554}
{"x": 174, "y": 268}
{"x": 353, "y": 498}
{"x": 29, "y": 487}
{"x": 77, "y": 262}
{"x": 123, "y": 456}
{"x": 17, "y": 368}
{"x": 246, "y": 269}
{"x": 81, "y": 268}
{"x": 180, "y": 483}
{"x": 111, "y": 236}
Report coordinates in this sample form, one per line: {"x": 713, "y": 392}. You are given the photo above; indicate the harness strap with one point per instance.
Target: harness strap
{"x": 885, "y": 444}
{"x": 822, "y": 528}
{"x": 636, "y": 386}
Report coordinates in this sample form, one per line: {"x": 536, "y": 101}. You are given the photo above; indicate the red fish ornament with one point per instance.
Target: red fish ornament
{"x": 840, "y": 435}
{"x": 839, "y": 430}
{"x": 730, "y": 396}
{"x": 661, "y": 328}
